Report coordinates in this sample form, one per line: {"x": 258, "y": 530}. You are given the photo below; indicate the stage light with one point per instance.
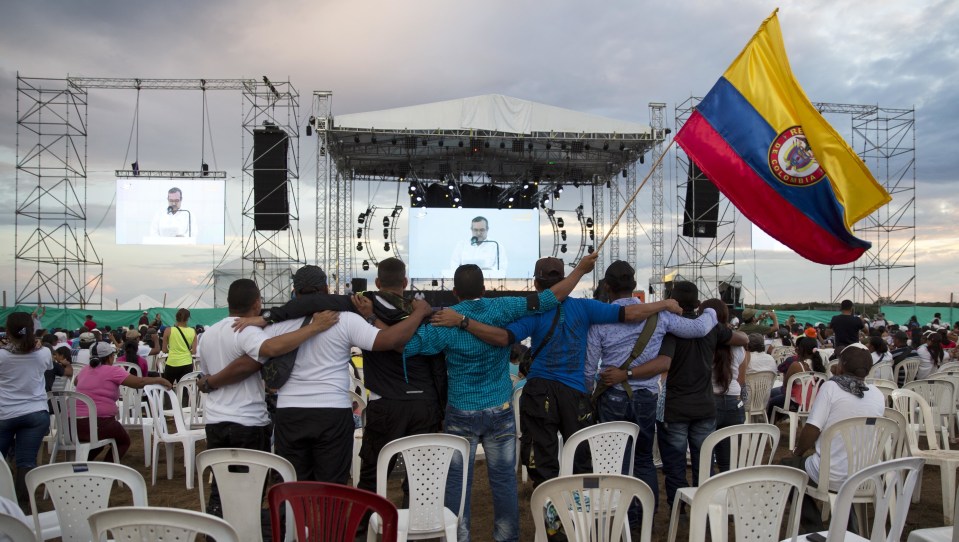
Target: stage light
{"x": 412, "y": 188}
{"x": 459, "y": 143}
{"x": 556, "y": 194}
{"x": 423, "y": 142}
{"x": 559, "y": 188}
{"x": 592, "y": 234}
{"x": 549, "y": 145}
{"x": 511, "y": 199}
{"x": 441, "y": 143}
{"x": 362, "y": 218}
{"x": 135, "y": 166}
{"x": 562, "y": 234}
{"x": 456, "y": 199}
{"x": 563, "y": 145}
{"x": 359, "y": 233}
{"x": 589, "y": 249}
{"x": 373, "y": 139}
{"x": 608, "y": 185}
{"x": 560, "y": 222}
{"x": 642, "y": 158}
{"x": 386, "y": 233}
{"x": 502, "y": 144}
{"x": 366, "y": 265}
{"x": 575, "y": 184}
{"x": 359, "y": 246}
{"x": 386, "y": 247}
{"x": 622, "y": 146}
{"x": 393, "y": 141}
{"x": 589, "y": 222}
{"x": 562, "y": 248}
{"x": 205, "y": 168}
{"x": 450, "y": 185}
{"x": 605, "y": 145}
{"x": 525, "y": 185}
{"x": 396, "y": 211}
{"x": 624, "y": 173}
{"x": 309, "y": 130}
{"x": 586, "y": 146}
{"x": 529, "y": 146}
{"x": 486, "y": 145}
{"x": 419, "y": 198}
{"x": 386, "y": 222}
{"x": 356, "y": 139}
{"x": 546, "y": 201}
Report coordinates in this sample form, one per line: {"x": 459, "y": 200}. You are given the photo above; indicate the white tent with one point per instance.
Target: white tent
{"x": 140, "y": 302}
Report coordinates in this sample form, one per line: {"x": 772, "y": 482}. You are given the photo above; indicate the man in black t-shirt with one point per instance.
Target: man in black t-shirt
{"x": 846, "y": 327}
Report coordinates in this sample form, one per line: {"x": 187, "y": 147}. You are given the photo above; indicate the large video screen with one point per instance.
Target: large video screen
{"x": 170, "y": 211}
{"x": 504, "y": 243}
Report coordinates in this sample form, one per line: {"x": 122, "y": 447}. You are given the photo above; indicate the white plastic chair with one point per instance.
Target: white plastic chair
{"x": 891, "y": 485}
{"x": 16, "y": 530}
{"x": 883, "y": 370}
{"x": 948, "y": 366}
{"x": 514, "y": 400}
{"x": 49, "y": 524}
{"x": 190, "y": 399}
{"x": 608, "y": 443}
{"x": 65, "y": 411}
{"x": 867, "y": 441}
{"x": 780, "y": 353}
{"x": 809, "y": 382}
{"x": 907, "y": 369}
{"x": 830, "y": 366}
{"x": 937, "y": 534}
{"x": 131, "y": 368}
{"x": 161, "y": 434}
{"x": 883, "y": 385}
{"x": 240, "y": 474}
{"x": 77, "y": 489}
{"x": 155, "y": 523}
{"x": 950, "y": 376}
{"x": 587, "y": 505}
{"x": 427, "y": 459}
{"x": 939, "y": 395}
{"x": 132, "y": 410}
{"x": 755, "y": 497}
{"x": 918, "y": 414}
{"x": 750, "y": 445}
{"x": 901, "y": 449}
{"x": 760, "y": 385}
{"x": 361, "y": 403}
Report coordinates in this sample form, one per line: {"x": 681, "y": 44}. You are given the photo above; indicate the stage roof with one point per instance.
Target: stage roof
{"x": 490, "y": 138}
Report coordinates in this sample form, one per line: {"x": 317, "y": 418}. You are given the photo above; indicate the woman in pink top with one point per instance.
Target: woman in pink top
{"x": 101, "y": 381}
{"x": 130, "y": 356}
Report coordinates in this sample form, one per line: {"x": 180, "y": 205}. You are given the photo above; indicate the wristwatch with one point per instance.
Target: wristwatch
{"x": 465, "y": 322}
{"x": 371, "y": 319}
{"x": 267, "y": 315}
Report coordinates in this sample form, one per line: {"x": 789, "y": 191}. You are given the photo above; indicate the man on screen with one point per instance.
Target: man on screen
{"x": 175, "y": 221}
{"x": 480, "y": 251}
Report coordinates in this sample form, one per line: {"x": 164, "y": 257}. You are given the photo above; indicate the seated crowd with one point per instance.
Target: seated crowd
{"x": 677, "y": 368}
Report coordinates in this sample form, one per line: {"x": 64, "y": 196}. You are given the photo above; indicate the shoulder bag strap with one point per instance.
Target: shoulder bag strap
{"x": 638, "y": 348}
{"x": 549, "y": 334}
{"x": 189, "y": 345}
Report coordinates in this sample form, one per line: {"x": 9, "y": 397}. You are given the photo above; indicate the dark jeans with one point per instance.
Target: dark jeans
{"x": 547, "y": 407}
{"x": 233, "y": 435}
{"x": 317, "y": 441}
{"x": 107, "y": 427}
{"x": 388, "y": 420}
{"x": 28, "y": 430}
{"x": 676, "y": 438}
{"x": 729, "y": 411}
{"x": 615, "y": 405}
{"x": 776, "y": 398}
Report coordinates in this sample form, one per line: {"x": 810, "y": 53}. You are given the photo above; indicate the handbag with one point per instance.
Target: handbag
{"x": 277, "y": 370}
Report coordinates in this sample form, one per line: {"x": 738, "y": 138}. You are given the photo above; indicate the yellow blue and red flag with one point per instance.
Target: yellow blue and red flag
{"x": 766, "y": 147}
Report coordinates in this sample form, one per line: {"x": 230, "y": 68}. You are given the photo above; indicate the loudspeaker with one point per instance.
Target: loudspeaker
{"x": 358, "y": 285}
{"x": 271, "y": 205}
{"x": 702, "y": 205}
{"x": 729, "y": 293}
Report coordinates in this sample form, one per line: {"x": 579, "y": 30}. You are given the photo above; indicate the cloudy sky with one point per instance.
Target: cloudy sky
{"x": 608, "y": 58}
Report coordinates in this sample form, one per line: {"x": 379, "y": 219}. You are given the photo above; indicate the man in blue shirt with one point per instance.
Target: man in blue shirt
{"x": 479, "y": 387}
{"x": 610, "y": 345}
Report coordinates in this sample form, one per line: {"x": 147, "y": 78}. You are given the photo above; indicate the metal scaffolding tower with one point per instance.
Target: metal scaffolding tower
{"x": 885, "y": 139}
{"x": 706, "y": 261}
{"x": 55, "y": 262}
{"x": 319, "y": 122}
{"x": 657, "y": 122}
{"x": 272, "y": 253}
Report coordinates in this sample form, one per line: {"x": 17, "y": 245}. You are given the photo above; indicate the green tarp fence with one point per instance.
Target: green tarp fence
{"x": 73, "y": 318}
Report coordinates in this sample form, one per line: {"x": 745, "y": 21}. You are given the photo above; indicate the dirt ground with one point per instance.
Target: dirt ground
{"x": 173, "y": 493}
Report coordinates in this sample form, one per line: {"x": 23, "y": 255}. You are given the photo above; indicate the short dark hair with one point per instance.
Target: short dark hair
{"x": 468, "y": 281}
{"x": 686, "y": 294}
{"x": 176, "y": 191}
{"x": 242, "y": 295}
{"x": 901, "y": 337}
{"x": 846, "y": 305}
{"x": 182, "y": 315}
{"x": 855, "y": 361}
{"x": 722, "y": 311}
{"x": 391, "y": 272}
{"x": 480, "y": 218}
{"x": 64, "y": 352}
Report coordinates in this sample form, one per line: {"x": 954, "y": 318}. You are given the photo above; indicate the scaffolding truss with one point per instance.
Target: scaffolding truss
{"x": 55, "y": 262}
{"x": 272, "y": 254}
{"x": 709, "y": 262}
{"x": 657, "y": 122}
{"x": 885, "y": 139}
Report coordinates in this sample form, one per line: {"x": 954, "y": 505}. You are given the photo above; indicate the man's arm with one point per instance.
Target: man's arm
{"x": 687, "y": 328}
{"x": 299, "y": 307}
{"x": 237, "y": 371}
{"x": 807, "y": 439}
{"x": 642, "y": 311}
{"x": 594, "y": 355}
{"x": 775, "y": 327}
{"x": 400, "y": 333}
{"x": 281, "y": 344}
{"x": 563, "y": 288}
{"x": 493, "y": 335}
{"x": 658, "y": 365}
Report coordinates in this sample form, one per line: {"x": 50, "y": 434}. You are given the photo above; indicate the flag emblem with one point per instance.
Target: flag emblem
{"x": 792, "y": 161}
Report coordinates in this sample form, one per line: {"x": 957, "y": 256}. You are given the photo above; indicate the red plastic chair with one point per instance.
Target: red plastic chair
{"x": 329, "y": 512}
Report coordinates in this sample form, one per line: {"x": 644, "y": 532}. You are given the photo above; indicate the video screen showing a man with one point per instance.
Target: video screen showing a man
{"x": 479, "y": 249}
{"x": 174, "y": 221}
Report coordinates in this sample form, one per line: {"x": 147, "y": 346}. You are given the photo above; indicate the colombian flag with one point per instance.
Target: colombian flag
{"x": 763, "y": 144}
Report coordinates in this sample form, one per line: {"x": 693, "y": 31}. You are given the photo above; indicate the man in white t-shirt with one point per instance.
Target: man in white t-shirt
{"x": 314, "y": 414}
{"x": 844, "y": 396}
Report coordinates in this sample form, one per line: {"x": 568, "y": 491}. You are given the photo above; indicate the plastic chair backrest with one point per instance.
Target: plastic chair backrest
{"x": 238, "y": 472}
{"x": 131, "y": 406}
{"x": 756, "y": 497}
{"x": 329, "y": 512}
{"x": 760, "y": 386}
{"x": 131, "y": 368}
{"x": 906, "y": 369}
{"x": 883, "y": 369}
{"x": 7, "y": 489}
{"x": 829, "y": 368}
{"x": 155, "y": 394}
{"x": 948, "y": 367}
{"x": 79, "y": 489}
{"x": 892, "y": 484}
{"x": 427, "y": 458}
{"x": 918, "y": 416}
{"x": 808, "y": 382}
{"x": 750, "y": 445}
{"x": 901, "y": 449}
{"x": 15, "y": 530}
{"x": 780, "y": 353}
{"x": 939, "y": 395}
{"x": 155, "y": 523}
{"x": 64, "y": 405}
{"x": 608, "y": 443}
{"x": 592, "y": 507}
{"x": 866, "y": 441}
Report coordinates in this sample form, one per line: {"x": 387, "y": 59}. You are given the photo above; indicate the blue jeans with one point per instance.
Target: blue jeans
{"x": 28, "y": 430}
{"x": 495, "y": 429}
{"x": 676, "y": 437}
{"x": 615, "y": 405}
{"x": 729, "y": 411}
